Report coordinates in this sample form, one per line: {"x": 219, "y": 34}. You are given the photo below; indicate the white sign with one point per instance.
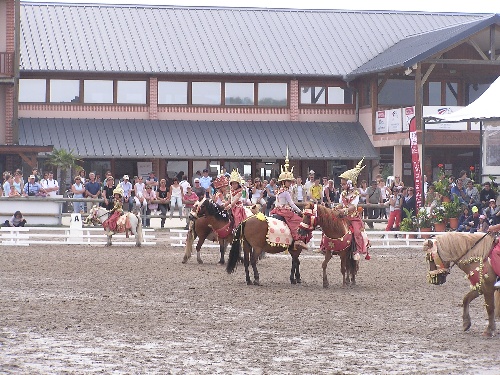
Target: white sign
{"x": 143, "y": 168}
{"x": 409, "y": 113}
{"x": 394, "y": 120}
{"x": 381, "y": 125}
{"x": 75, "y": 229}
{"x": 443, "y": 110}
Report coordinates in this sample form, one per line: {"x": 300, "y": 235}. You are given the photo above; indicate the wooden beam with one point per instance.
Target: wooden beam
{"x": 492, "y": 42}
{"x": 478, "y": 49}
{"x": 383, "y": 82}
{"x": 31, "y": 161}
{"x": 462, "y": 62}
{"x": 428, "y": 73}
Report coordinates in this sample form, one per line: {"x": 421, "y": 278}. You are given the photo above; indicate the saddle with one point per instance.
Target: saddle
{"x": 278, "y": 233}
{"x": 123, "y": 225}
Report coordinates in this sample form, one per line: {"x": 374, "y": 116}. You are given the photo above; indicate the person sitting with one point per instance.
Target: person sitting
{"x": 116, "y": 212}
{"x": 17, "y": 220}
{"x": 459, "y": 191}
{"x": 492, "y": 213}
{"x": 472, "y": 224}
{"x": 236, "y": 201}
{"x": 348, "y": 205}
{"x": 285, "y": 207}
{"x": 13, "y": 192}
{"x": 483, "y": 224}
{"x": 463, "y": 219}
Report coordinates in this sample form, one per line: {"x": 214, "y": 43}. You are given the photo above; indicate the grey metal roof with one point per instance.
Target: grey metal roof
{"x": 212, "y": 40}
{"x": 112, "y": 138}
{"x": 408, "y": 51}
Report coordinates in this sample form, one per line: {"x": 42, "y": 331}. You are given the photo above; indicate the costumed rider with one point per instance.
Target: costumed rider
{"x": 348, "y": 206}
{"x": 236, "y": 200}
{"x": 495, "y": 253}
{"x": 221, "y": 195}
{"x": 116, "y": 211}
{"x": 285, "y": 207}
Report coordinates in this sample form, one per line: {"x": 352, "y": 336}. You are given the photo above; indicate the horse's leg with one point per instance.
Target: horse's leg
{"x": 198, "y": 250}
{"x": 254, "y": 257}
{"x": 297, "y": 270}
{"x": 246, "y": 262}
{"x": 292, "y": 272}
{"x": 343, "y": 267}
{"x": 138, "y": 231}
{"x": 469, "y": 297}
{"x": 108, "y": 243}
{"x": 222, "y": 248}
{"x": 189, "y": 245}
{"x": 328, "y": 256}
{"x": 489, "y": 301}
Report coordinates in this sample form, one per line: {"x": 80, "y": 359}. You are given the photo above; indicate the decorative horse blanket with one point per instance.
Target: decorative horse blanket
{"x": 123, "y": 224}
{"x": 278, "y": 233}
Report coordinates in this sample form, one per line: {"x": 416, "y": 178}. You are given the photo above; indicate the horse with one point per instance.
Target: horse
{"x": 100, "y": 214}
{"x": 208, "y": 220}
{"x": 337, "y": 239}
{"x": 252, "y": 235}
{"x": 470, "y": 252}
{"x": 211, "y": 221}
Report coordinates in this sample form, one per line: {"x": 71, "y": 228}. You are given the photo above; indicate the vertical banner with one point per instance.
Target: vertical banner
{"x": 381, "y": 125}
{"x": 415, "y": 159}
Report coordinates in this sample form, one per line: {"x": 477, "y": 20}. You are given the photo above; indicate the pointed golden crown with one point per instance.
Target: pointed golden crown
{"x": 118, "y": 190}
{"x": 235, "y": 176}
{"x": 220, "y": 181}
{"x": 352, "y": 174}
{"x": 286, "y": 175}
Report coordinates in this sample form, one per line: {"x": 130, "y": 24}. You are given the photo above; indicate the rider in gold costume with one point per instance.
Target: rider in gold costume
{"x": 236, "y": 200}
{"x": 115, "y": 212}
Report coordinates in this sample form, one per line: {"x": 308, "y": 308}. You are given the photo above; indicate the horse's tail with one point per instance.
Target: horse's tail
{"x": 234, "y": 253}
{"x": 140, "y": 236}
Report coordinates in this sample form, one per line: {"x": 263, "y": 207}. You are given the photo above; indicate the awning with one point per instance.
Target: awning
{"x": 172, "y": 139}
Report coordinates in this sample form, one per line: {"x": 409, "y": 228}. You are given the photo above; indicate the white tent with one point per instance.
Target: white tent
{"x": 486, "y": 107}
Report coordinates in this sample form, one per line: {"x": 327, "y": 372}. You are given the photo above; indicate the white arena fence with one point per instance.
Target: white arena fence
{"x": 378, "y": 239}
{"x": 25, "y": 236}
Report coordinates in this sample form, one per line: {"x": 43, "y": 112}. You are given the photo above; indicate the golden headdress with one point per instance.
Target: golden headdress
{"x": 235, "y": 176}
{"x": 286, "y": 175}
{"x": 220, "y": 181}
{"x": 118, "y": 190}
{"x": 352, "y": 174}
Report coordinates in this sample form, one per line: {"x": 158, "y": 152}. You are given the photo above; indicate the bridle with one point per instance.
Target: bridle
{"x": 312, "y": 213}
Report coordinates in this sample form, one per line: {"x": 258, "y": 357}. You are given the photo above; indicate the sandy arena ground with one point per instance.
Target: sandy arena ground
{"x": 89, "y": 310}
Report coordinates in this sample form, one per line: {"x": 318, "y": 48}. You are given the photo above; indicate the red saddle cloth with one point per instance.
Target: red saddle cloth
{"x": 495, "y": 258}
{"x": 335, "y": 245}
{"x": 224, "y": 231}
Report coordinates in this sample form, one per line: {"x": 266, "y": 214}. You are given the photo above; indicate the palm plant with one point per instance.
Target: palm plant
{"x": 63, "y": 160}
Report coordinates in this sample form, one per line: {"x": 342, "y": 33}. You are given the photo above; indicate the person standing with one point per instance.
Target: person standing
{"x": 329, "y": 194}
{"x": 162, "y": 195}
{"x": 18, "y": 182}
{"x": 150, "y": 196}
{"x": 152, "y": 181}
{"x": 184, "y": 183}
{"x": 395, "y": 202}
{"x": 271, "y": 197}
{"x": 363, "y": 187}
{"x": 308, "y": 184}
{"x": 373, "y": 196}
{"x": 205, "y": 182}
{"x": 189, "y": 199}
{"x": 486, "y": 194}
{"x": 78, "y": 190}
{"x": 409, "y": 202}
{"x": 175, "y": 197}
{"x": 92, "y": 190}
{"x": 32, "y": 188}
{"x": 50, "y": 185}
{"x": 198, "y": 189}
{"x": 298, "y": 192}
{"x": 107, "y": 193}
{"x": 7, "y": 184}
{"x": 316, "y": 192}
{"x": 126, "y": 186}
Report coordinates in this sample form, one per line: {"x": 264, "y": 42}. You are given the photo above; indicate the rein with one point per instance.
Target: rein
{"x": 459, "y": 260}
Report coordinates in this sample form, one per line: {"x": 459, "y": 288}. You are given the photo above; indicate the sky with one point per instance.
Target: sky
{"x": 475, "y": 6}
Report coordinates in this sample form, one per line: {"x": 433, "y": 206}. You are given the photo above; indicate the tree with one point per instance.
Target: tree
{"x": 63, "y": 160}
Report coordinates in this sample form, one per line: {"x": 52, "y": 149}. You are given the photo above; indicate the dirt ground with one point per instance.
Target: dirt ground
{"x": 88, "y": 310}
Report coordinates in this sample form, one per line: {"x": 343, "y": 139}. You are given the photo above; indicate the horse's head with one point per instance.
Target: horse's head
{"x": 308, "y": 219}
{"x": 208, "y": 207}
{"x": 438, "y": 270}
{"x": 93, "y": 216}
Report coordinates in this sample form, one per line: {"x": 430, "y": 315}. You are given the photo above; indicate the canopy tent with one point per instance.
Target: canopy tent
{"x": 486, "y": 107}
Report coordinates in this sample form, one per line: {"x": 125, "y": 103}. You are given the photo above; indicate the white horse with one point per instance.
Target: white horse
{"x": 100, "y": 214}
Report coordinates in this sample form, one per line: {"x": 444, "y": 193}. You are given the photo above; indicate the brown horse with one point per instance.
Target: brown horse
{"x": 337, "y": 239}
{"x": 207, "y": 219}
{"x": 469, "y": 251}
{"x": 251, "y": 234}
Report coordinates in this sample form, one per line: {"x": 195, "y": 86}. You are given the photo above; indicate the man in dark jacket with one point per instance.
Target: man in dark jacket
{"x": 373, "y": 196}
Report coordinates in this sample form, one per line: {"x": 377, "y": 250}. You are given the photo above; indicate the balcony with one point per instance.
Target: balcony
{"x": 6, "y": 64}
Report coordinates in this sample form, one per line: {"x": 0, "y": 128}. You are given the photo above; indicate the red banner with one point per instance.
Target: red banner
{"x": 415, "y": 160}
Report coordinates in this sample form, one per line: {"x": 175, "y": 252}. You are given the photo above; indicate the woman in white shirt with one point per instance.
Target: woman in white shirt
{"x": 78, "y": 189}
{"x": 257, "y": 190}
{"x": 175, "y": 196}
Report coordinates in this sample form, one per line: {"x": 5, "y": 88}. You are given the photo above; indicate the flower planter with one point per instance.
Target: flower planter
{"x": 422, "y": 230}
{"x": 453, "y": 223}
{"x": 440, "y": 227}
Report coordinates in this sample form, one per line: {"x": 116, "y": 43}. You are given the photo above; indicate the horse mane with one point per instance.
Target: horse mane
{"x": 332, "y": 225}
{"x": 213, "y": 209}
{"x": 452, "y": 246}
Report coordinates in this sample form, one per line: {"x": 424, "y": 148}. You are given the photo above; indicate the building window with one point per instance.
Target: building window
{"x": 435, "y": 93}
{"x": 131, "y": 92}
{"x": 206, "y": 93}
{"x": 98, "y": 91}
{"x": 451, "y": 93}
{"x": 339, "y": 95}
{"x": 170, "y": 92}
{"x": 64, "y": 91}
{"x": 397, "y": 92}
{"x": 273, "y": 94}
{"x": 239, "y": 93}
{"x": 32, "y": 90}
{"x": 312, "y": 95}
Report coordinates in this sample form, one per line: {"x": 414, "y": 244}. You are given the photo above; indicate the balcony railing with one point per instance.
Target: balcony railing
{"x": 6, "y": 64}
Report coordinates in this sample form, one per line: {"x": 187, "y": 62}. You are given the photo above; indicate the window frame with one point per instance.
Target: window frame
{"x": 326, "y": 86}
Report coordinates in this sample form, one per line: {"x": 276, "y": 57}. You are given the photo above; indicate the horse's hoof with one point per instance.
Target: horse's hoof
{"x": 221, "y": 262}
{"x": 299, "y": 281}
{"x": 466, "y": 326}
{"x": 488, "y": 334}
{"x": 199, "y": 261}
{"x": 326, "y": 285}
{"x": 293, "y": 281}
{"x": 249, "y": 282}
{"x": 256, "y": 282}
{"x": 185, "y": 259}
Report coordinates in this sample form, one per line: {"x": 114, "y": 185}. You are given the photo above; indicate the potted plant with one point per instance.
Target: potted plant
{"x": 424, "y": 221}
{"x": 409, "y": 223}
{"x": 441, "y": 187}
{"x": 452, "y": 211}
{"x": 439, "y": 219}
